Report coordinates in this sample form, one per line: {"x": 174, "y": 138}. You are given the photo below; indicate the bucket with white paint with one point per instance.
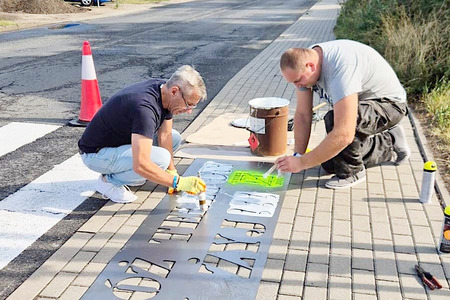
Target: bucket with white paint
{"x": 268, "y": 122}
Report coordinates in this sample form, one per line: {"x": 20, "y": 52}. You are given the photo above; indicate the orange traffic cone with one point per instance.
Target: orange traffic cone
{"x": 90, "y": 93}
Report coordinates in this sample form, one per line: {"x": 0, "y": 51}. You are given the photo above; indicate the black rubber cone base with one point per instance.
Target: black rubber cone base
{"x": 78, "y": 123}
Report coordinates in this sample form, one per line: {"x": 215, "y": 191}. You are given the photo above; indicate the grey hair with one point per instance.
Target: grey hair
{"x": 189, "y": 80}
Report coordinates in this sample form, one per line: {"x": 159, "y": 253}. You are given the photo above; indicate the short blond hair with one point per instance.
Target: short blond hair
{"x": 296, "y": 58}
{"x": 189, "y": 80}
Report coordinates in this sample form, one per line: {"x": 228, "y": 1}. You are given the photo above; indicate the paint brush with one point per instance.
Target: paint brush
{"x": 202, "y": 199}
{"x": 274, "y": 166}
{"x": 269, "y": 171}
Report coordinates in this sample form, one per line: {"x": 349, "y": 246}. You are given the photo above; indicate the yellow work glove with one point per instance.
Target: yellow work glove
{"x": 191, "y": 184}
{"x": 174, "y": 172}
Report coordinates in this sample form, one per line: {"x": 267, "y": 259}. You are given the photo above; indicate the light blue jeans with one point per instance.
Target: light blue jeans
{"x": 117, "y": 163}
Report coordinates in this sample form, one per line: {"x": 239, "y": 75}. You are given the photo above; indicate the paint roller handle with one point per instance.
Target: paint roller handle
{"x": 319, "y": 106}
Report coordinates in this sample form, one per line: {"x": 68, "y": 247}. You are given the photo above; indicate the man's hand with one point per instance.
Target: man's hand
{"x": 191, "y": 184}
{"x": 290, "y": 164}
{"x": 173, "y": 172}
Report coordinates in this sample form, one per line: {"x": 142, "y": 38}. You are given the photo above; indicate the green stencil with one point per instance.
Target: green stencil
{"x": 255, "y": 178}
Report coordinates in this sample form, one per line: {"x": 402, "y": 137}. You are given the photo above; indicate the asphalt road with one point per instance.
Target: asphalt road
{"x": 40, "y": 79}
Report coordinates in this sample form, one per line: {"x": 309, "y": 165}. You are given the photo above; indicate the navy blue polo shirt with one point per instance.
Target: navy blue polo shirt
{"x": 134, "y": 109}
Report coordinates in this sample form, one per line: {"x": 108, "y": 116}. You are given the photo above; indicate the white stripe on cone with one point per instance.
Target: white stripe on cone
{"x": 87, "y": 68}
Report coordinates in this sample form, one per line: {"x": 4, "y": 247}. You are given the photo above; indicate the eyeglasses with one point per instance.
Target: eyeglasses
{"x": 188, "y": 106}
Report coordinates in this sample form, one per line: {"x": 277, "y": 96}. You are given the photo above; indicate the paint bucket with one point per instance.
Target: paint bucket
{"x": 268, "y": 123}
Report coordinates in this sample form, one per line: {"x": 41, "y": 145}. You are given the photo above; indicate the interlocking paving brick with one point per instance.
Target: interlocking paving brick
{"x": 78, "y": 262}
{"x": 341, "y": 212}
{"x": 361, "y": 240}
{"x": 400, "y": 226}
{"x": 287, "y": 297}
{"x": 97, "y": 221}
{"x": 321, "y": 234}
{"x": 137, "y": 218}
{"x": 375, "y": 188}
{"x": 406, "y": 263}
{"x": 379, "y": 215}
{"x": 89, "y": 274}
{"x": 97, "y": 241}
{"x": 418, "y": 217}
{"x": 362, "y": 259}
{"x": 278, "y": 249}
{"x": 73, "y": 293}
{"x": 396, "y": 209}
{"x": 363, "y": 282}
{"x": 58, "y": 284}
{"x": 324, "y": 204}
{"x": 305, "y": 209}
{"x": 340, "y": 265}
{"x": 322, "y": 219}
{"x": 303, "y": 224}
{"x": 307, "y": 196}
{"x": 357, "y": 296}
{"x": 388, "y": 290}
{"x": 316, "y": 275}
{"x": 300, "y": 240}
{"x": 427, "y": 254}
{"x": 381, "y": 231}
{"x": 422, "y": 235}
{"x": 361, "y": 223}
{"x": 267, "y": 290}
{"x": 342, "y": 198}
{"x": 292, "y": 283}
{"x": 273, "y": 270}
{"x": 107, "y": 253}
{"x": 296, "y": 260}
{"x": 385, "y": 266}
{"x": 312, "y": 292}
{"x": 412, "y": 287}
{"x": 287, "y": 216}
{"x": 290, "y": 202}
{"x": 319, "y": 253}
{"x": 123, "y": 234}
{"x": 282, "y": 231}
{"x": 341, "y": 245}
{"x": 339, "y": 288}
{"x": 404, "y": 244}
{"x": 341, "y": 227}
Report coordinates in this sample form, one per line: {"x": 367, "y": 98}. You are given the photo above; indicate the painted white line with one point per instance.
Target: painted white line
{"x": 17, "y": 134}
{"x": 37, "y": 207}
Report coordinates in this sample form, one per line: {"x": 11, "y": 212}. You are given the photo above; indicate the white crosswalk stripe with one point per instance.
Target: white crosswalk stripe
{"x": 34, "y": 209}
{"x": 16, "y": 134}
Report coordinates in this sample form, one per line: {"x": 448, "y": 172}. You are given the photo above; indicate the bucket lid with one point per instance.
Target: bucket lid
{"x": 268, "y": 102}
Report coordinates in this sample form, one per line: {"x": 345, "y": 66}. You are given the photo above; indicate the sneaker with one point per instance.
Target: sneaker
{"x": 337, "y": 183}
{"x": 401, "y": 147}
{"x": 118, "y": 194}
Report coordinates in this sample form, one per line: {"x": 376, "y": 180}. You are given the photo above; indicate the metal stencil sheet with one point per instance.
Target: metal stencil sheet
{"x": 180, "y": 252}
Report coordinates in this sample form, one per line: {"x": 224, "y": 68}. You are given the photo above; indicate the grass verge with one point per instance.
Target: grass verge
{"x": 414, "y": 37}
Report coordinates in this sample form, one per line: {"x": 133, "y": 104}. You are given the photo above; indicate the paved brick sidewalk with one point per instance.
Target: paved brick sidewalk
{"x": 360, "y": 243}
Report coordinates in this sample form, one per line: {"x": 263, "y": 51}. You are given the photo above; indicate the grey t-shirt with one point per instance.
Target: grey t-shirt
{"x": 349, "y": 67}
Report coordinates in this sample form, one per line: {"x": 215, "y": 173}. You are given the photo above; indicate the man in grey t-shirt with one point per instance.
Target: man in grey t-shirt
{"x": 368, "y": 103}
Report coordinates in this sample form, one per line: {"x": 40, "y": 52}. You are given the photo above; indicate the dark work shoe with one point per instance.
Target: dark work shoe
{"x": 401, "y": 147}
{"x": 337, "y": 183}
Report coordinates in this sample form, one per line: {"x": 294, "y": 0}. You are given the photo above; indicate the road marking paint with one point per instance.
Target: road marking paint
{"x": 16, "y": 134}
{"x": 34, "y": 209}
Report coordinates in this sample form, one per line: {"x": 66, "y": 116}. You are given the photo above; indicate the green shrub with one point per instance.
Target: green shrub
{"x": 437, "y": 103}
{"x": 417, "y": 50}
